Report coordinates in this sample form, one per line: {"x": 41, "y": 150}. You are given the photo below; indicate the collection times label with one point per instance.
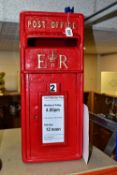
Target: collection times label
{"x": 53, "y": 119}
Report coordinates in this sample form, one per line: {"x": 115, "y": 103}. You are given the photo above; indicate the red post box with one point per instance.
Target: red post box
{"x": 51, "y": 47}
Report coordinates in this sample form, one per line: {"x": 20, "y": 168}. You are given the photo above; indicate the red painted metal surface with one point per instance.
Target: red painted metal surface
{"x": 51, "y": 56}
{"x": 106, "y": 171}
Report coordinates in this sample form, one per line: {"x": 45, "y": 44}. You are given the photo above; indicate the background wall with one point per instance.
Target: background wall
{"x": 105, "y": 63}
{"x": 9, "y": 63}
{"x": 93, "y": 66}
{"x": 90, "y": 72}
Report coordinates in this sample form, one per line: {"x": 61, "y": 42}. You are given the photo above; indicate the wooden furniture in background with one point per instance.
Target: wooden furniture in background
{"x": 9, "y": 110}
{"x": 100, "y": 103}
{"x": 106, "y": 105}
{"x": 99, "y": 136}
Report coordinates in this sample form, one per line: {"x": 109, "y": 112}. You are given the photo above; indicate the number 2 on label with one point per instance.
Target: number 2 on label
{"x": 53, "y": 87}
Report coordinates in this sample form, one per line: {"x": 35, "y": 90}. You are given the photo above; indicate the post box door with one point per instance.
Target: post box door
{"x": 69, "y": 126}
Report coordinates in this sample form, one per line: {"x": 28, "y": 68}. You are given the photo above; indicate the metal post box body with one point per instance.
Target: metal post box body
{"x": 51, "y": 86}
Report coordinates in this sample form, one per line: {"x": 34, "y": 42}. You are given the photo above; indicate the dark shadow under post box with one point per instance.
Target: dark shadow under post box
{"x": 51, "y": 86}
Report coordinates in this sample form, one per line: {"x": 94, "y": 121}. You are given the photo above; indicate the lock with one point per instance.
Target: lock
{"x": 51, "y": 85}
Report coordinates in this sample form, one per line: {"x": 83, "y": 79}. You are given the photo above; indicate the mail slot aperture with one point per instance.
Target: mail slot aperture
{"x": 52, "y": 42}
